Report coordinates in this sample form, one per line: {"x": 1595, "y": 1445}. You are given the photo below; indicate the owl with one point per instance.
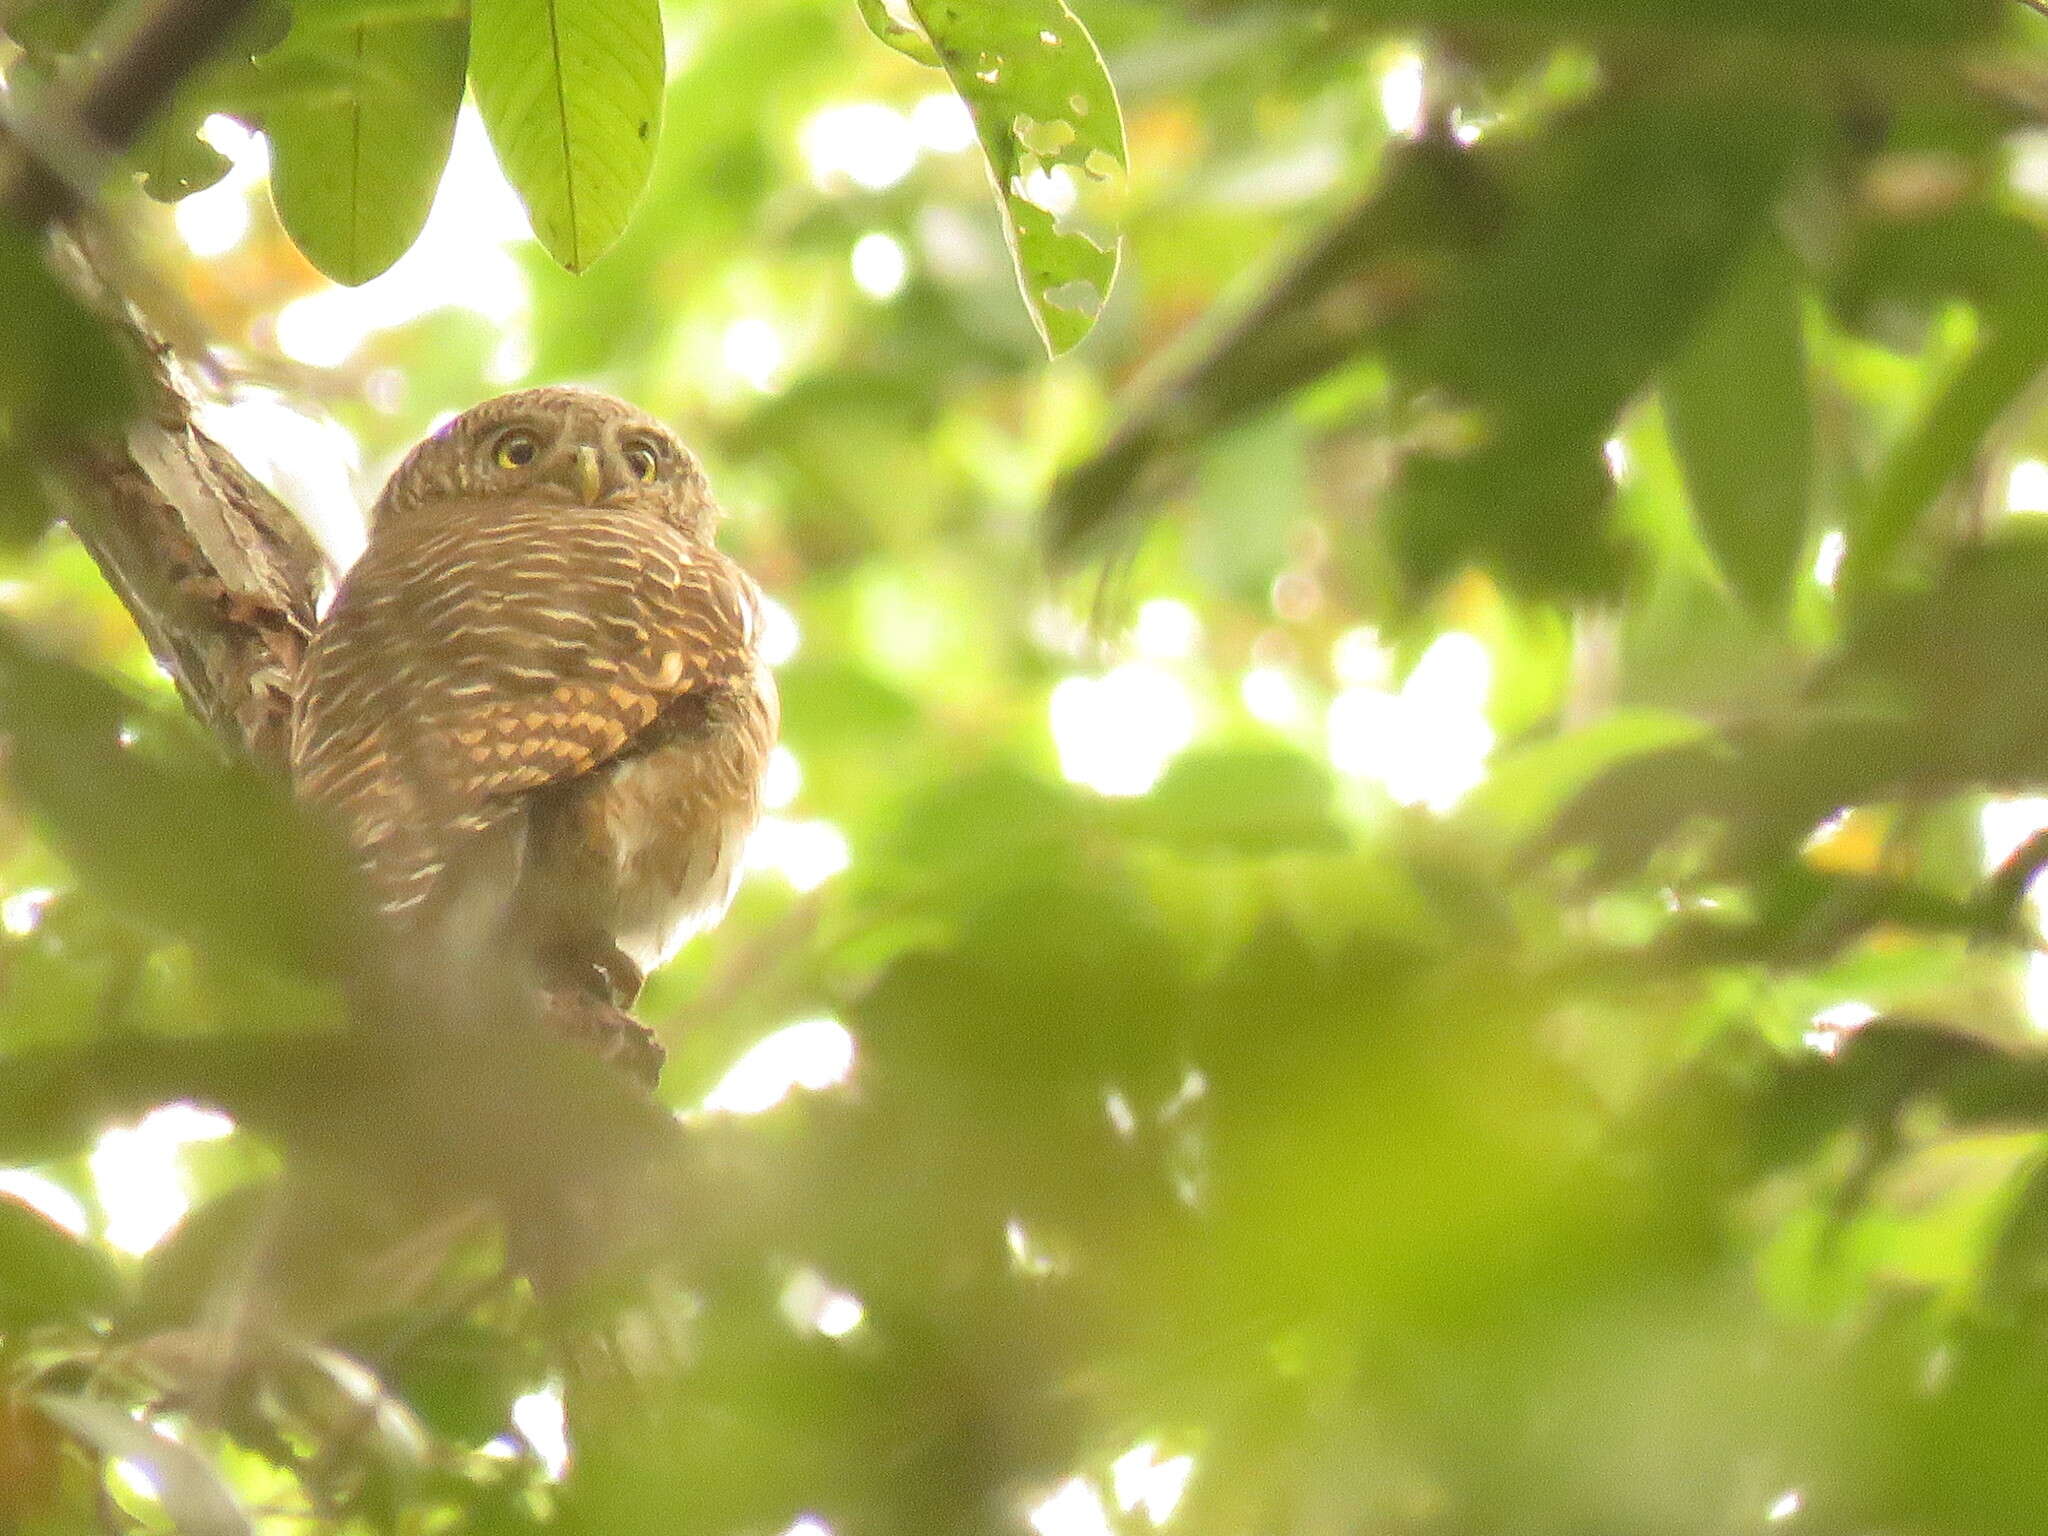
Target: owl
{"x": 536, "y": 708}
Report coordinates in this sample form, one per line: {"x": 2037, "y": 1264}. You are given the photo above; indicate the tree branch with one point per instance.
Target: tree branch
{"x": 218, "y": 574}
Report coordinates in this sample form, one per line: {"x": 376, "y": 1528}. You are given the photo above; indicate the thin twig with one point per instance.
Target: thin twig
{"x": 2006, "y": 891}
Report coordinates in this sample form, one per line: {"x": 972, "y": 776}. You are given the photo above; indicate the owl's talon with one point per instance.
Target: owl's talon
{"x": 610, "y": 1033}
{"x": 622, "y": 978}
{"x": 600, "y": 971}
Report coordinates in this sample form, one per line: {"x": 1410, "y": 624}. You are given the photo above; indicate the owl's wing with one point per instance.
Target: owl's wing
{"x": 462, "y": 670}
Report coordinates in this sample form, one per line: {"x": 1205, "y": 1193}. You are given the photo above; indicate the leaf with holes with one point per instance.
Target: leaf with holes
{"x": 571, "y": 93}
{"x": 353, "y": 170}
{"x": 1049, "y": 124}
{"x": 175, "y": 162}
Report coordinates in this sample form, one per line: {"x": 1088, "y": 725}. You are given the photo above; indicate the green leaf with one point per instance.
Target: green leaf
{"x": 193, "y": 1265}
{"x": 461, "y": 1376}
{"x": 1245, "y": 801}
{"x": 60, "y": 367}
{"x": 1943, "y": 443}
{"x": 1736, "y": 405}
{"x": 1507, "y": 289}
{"x": 1962, "y": 664}
{"x": 48, "y": 27}
{"x": 46, "y": 1274}
{"x": 1051, "y": 129}
{"x": 1251, "y": 496}
{"x": 106, "y": 778}
{"x": 902, "y": 35}
{"x": 1527, "y": 787}
{"x": 1544, "y": 333}
{"x": 1104, "y": 998}
{"x": 25, "y": 512}
{"x": 1899, "y": 20}
{"x": 341, "y": 14}
{"x": 1997, "y": 263}
{"x": 353, "y": 176}
{"x": 571, "y": 93}
{"x": 174, "y": 161}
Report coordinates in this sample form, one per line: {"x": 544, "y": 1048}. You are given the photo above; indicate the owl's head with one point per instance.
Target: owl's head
{"x": 559, "y": 444}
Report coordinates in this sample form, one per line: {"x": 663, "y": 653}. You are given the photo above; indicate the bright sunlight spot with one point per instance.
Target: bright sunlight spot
{"x": 140, "y": 1177}
{"x": 1026, "y": 1256}
{"x": 779, "y": 634}
{"x": 1827, "y": 561}
{"x": 2029, "y": 165}
{"x": 1428, "y": 743}
{"x": 809, "y": 1525}
{"x": 307, "y": 460}
{"x": 1359, "y": 660}
{"x": 1141, "y": 1481}
{"x": 783, "y": 778}
{"x": 753, "y": 351}
{"x": 1401, "y": 95}
{"x": 1073, "y": 1509}
{"x": 1273, "y": 696}
{"x": 1167, "y": 630}
{"x": 136, "y": 1478}
{"x": 880, "y": 265}
{"x": 942, "y": 122}
{"x": 539, "y": 1418}
{"x": 2004, "y": 825}
{"x": 46, "y": 1197}
{"x": 866, "y": 143}
{"x": 215, "y": 221}
{"x": 814, "y": 1305}
{"x": 1117, "y": 733}
{"x": 1826, "y": 1030}
{"x": 1049, "y": 187}
{"x": 1785, "y": 1506}
{"x": 2026, "y": 488}
{"x": 805, "y": 853}
{"x": 811, "y": 1053}
{"x": 22, "y": 913}
{"x": 2034, "y": 989}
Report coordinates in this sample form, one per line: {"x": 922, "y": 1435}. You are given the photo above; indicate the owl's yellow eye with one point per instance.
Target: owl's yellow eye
{"x": 643, "y": 461}
{"x": 516, "y": 449}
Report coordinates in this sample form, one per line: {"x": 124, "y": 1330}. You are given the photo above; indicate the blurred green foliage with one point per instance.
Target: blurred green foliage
{"x": 1472, "y": 973}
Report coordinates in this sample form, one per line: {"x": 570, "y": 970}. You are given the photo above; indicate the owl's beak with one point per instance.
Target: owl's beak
{"x": 588, "y": 475}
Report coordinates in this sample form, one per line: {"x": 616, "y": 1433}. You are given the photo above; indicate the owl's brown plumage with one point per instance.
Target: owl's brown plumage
{"x": 537, "y": 698}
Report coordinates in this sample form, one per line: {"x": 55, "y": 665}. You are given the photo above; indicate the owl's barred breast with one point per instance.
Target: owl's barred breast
{"x": 561, "y": 706}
